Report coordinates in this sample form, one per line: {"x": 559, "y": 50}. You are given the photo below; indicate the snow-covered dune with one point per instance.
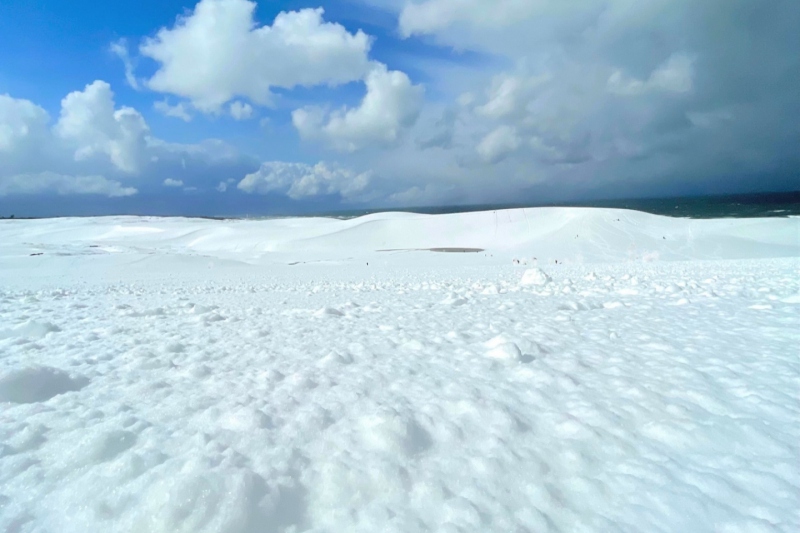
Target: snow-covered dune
{"x": 565, "y": 234}
{"x": 588, "y": 370}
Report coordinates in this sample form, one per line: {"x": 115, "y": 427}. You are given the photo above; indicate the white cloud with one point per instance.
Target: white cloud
{"x": 675, "y": 76}
{"x": 391, "y": 105}
{"x": 223, "y": 185}
{"x": 95, "y": 148}
{"x": 498, "y": 144}
{"x": 219, "y": 52}
{"x": 465, "y": 99}
{"x": 708, "y": 119}
{"x": 92, "y": 126}
{"x": 633, "y": 91}
{"x": 209, "y": 150}
{"x": 120, "y": 49}
{"x": 432, "y": 15}
{"x": 443, "y": 132}
{"x": 50, "y": 182}
{"x": 21, "y": 123}
{"x": 298, "y": 180}
{"x": 89, "y": 131}
{"x": 169, "y": 182}
{"x": 179, "y": 110}
{"x": 241, "y": 111}
{"x": 508, "y": 94}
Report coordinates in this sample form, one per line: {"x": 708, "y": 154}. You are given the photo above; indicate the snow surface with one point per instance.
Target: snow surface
{"x": 588, "y": 370}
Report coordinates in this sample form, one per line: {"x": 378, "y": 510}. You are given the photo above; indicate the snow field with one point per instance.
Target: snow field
{"x": 426, "y": 392}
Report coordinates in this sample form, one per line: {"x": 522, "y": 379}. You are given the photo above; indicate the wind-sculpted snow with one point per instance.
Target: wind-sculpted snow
{"x": 155, "y": 383}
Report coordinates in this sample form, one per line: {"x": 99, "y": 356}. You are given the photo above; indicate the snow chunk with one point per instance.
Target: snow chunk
{"x": 103, "y": 446}
{"x": 507, "y": 351}
{"x": 30, "y": 330}
{"x": 212, "y": 317}
{"x": 328, "y": 312}
{"x": 454, "y": 300}
{"x": 335, "y": 358}
{"x": 245, "y": 419}
{"x": 175, "y": 347}
{"x": 195, "y": 499}
{"x": 490, "y": 290}
{"x": 202, "y": 309}
{"x": 504, "y": 349}
{"x": 37, "y": 384}
{"x": 535, "y": 276}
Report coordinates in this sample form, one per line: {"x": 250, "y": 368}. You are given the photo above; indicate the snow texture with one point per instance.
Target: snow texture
{"x": 177, "y": 375}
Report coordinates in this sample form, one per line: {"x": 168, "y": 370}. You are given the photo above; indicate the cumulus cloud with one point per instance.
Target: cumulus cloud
{"x": 392, "y": 104}
{"x": 298, "y": 180}
{"x": 90, "y": 123}
{"x": 572, "y": 97}
{"x": 218, "y": 52}
{"x": 442, "y": 135}
{"x": 169, "y": 182}
{"x": 665, "y": 96}
{"x": 241, "y": 111}
{"x": 96, "y": 148}
{"x": 675, "y": 76}
{"x": 52, "y": 183}
{"x": 508, "y": 93}
{"x": 179, "y": 110}
{"x": 22, "y": 123}
{"x": 497, "y": 144}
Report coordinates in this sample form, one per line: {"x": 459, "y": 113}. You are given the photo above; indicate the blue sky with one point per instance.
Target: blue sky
{"x": 229, "y": 107}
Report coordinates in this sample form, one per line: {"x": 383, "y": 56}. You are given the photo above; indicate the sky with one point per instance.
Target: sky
{"x": 237, "y": 107}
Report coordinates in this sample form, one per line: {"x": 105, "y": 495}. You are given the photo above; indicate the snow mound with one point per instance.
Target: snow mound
{"x": 507, "y": 351}
{"x": 502, "y": 348}
{"x": 794, "y": 299}
{"x": 37, "y": 384}
{"x": 330, "y": 312}
{"x": 198, "y": 499}
{"x": 535, "y": 276}
{"x": 394, "y": 433}
{"x": 30, "y": 330}
{"x": 454, "y": 300}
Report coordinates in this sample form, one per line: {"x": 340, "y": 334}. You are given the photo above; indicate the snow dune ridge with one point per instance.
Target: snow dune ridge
{"x": 579, "y": 234}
